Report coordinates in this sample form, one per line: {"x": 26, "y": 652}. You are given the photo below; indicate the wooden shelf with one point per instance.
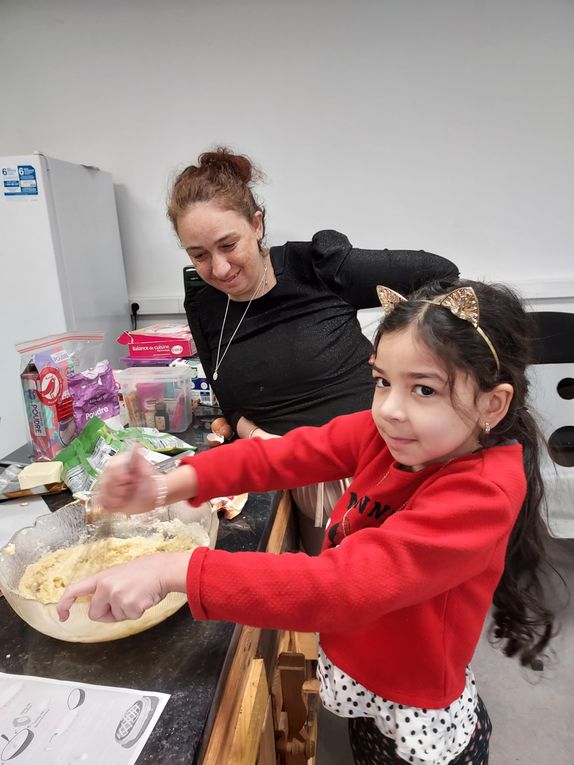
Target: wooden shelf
{"x": 268, "y": 710}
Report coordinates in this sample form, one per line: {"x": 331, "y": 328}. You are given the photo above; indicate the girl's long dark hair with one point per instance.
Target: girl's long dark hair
{"x": 523, "y": 623}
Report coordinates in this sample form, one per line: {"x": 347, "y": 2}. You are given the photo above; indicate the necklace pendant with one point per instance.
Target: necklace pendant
{"x": 220, "y": 356}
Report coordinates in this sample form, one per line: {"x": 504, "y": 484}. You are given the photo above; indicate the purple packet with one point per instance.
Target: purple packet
{"x": 94, "y": 394}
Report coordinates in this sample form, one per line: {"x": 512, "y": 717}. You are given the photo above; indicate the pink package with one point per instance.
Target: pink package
{"x": 159, "y": 341}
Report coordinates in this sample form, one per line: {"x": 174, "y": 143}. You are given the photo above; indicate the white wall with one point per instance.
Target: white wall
{"x": 438, "y": 124}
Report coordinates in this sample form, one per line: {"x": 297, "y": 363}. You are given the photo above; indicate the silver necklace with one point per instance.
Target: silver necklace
{"x": 218, "y": 360}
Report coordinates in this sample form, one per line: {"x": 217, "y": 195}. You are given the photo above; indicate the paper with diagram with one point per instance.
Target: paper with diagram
{"x": 56, "y": 722}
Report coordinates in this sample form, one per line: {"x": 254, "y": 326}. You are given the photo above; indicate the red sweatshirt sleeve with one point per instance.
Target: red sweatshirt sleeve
{"x": 447, "y": 534}
{"x": 303, "y": 456}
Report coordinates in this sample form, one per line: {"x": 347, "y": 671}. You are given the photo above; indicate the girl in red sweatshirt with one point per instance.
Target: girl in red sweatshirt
{"x": 441, "y": 519}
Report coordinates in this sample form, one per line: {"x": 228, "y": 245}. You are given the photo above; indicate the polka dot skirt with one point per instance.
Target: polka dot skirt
{"x": 422, "y": 736}
{"x": 370, "y": 747}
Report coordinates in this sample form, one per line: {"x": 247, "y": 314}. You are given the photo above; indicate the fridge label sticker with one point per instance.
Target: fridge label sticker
{"x": 19, "y": 181}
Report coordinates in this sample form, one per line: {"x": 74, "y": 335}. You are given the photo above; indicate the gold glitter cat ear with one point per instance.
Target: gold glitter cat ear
{"x": 388, "y": 298}
{"x": 463, "y": 303}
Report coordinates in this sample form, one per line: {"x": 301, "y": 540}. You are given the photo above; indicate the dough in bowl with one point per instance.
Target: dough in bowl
{"x": 45, "y": 579}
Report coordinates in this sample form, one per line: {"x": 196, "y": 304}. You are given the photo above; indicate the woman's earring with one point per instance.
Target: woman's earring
{"x": 486, "y": 428}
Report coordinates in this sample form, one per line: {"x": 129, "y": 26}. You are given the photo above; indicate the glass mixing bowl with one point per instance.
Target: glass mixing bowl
{"x": 67, "y": 527}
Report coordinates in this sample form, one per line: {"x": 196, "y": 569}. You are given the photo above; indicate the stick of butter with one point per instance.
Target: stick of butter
{"x": 40, "y": 474}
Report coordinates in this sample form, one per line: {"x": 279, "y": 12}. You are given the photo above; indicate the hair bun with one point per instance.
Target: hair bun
{"x": 222, "y": 177}
{"x": 223, "y": 160}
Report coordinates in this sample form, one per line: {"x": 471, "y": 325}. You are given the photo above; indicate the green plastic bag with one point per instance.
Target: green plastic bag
{"x": 86, "y": 456}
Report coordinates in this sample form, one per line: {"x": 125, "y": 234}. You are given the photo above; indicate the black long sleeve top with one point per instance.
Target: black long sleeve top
{"x": 299, "y": 356}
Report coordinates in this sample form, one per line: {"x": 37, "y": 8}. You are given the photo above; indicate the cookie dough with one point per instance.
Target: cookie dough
{"x": 46, "y": 578}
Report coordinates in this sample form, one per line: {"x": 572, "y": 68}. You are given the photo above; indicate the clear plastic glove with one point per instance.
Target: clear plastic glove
{"x": 127, "y": 484}
{"x": 126, "y": 591}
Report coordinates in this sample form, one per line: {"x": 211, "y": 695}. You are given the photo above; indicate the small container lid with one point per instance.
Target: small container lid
{"x": 154, "y": 374}
{"x": 130, "y": 362}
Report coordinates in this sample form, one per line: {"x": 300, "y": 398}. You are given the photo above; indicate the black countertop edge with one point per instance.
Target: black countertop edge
{"x": 186, "y": 658}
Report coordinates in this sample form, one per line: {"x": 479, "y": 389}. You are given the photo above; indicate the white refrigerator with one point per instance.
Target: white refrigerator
{"x": 61, "y": 267}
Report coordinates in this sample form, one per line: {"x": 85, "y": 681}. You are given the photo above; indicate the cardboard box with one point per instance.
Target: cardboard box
{"x": 48, "y": 409}
{"x": 159, "y": 341}
{"x": 201, "y": 389}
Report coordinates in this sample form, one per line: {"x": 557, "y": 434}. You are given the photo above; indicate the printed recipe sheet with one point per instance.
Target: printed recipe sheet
{"x": 56, "y": 722}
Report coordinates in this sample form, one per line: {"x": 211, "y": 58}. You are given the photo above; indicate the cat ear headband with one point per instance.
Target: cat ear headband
{"x": 461, "y": 302}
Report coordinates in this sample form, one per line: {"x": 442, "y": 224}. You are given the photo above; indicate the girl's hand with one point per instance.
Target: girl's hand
{"x": 126, "y": 591}
{"x": 127, "y": 484}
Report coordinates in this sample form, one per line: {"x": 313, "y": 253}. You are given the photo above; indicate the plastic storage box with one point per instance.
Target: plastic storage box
{"x": 157, "y": 397}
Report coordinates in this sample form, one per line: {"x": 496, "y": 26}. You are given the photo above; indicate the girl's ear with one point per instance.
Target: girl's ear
{"x": 494, "y": 404}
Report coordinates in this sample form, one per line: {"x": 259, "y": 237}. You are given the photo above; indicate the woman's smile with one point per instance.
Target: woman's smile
{"x": 230, "y": 280}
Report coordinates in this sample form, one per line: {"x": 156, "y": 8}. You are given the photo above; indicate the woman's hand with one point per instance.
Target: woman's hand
{"x": 260, "y": 433}
{"x": 126, "y": 591}
{"x": 248, "y": 429}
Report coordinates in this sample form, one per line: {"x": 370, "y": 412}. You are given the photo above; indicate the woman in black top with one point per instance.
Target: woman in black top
{"x": 277, "y": 330}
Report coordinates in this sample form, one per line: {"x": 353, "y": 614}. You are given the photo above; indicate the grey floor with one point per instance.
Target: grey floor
{"x": 532, "y": 712}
